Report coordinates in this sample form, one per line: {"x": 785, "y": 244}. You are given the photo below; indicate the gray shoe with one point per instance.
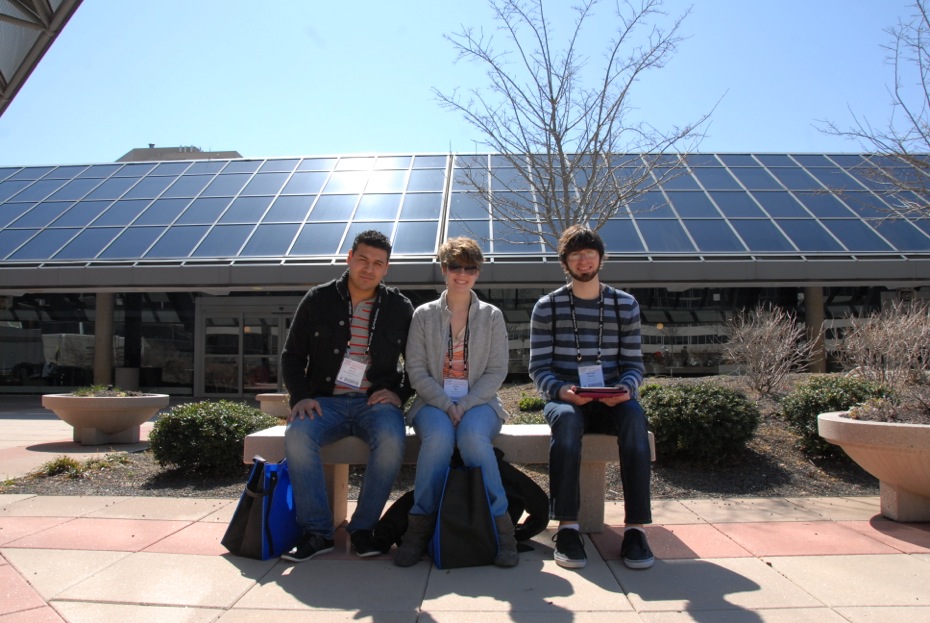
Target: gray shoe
{"x": 415, "y": 540}
{"x": 507, "y": 555}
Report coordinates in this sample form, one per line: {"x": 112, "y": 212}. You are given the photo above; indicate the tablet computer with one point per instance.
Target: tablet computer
{"x": 600, "y": 392}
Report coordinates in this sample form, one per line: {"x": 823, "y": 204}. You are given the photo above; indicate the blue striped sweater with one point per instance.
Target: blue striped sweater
{"x": 552, "y": 366}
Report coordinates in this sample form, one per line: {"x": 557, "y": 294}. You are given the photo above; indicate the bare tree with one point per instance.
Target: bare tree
{"x": 768, "y": 343}
{"x": 901, "y": 165}
{"x": 890, "y": 347}
{"x": 565, "y": 149}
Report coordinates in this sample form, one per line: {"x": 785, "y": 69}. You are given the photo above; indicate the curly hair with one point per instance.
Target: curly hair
{"x": 577, "y": 238}
{"x": 373, "y": 238}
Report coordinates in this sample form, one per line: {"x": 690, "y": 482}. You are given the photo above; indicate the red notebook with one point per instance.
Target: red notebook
{"x": 600, "y": 392}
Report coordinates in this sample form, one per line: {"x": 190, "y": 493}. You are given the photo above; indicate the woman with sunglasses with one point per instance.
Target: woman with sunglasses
{"x": 456, "y": 359}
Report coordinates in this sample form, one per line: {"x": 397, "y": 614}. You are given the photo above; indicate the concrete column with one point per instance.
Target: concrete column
{"x": 103, "y": 339}
{"x": 814, "y": 312}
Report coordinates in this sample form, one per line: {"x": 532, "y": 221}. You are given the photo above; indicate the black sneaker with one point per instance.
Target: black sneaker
{"x": 569, "y": 549}
{"x": 308, "y": 546}
{"x": 635, "y": 550}
{"x": 366, "y": 545}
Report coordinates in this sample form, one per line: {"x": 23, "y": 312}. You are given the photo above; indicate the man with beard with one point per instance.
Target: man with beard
{"x": 587, "y": 335}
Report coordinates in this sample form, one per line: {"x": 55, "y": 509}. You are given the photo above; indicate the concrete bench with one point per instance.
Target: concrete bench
{"x": 521, "y": 444}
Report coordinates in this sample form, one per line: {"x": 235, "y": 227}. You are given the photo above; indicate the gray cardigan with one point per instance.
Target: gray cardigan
{"x": 488, "y": 355}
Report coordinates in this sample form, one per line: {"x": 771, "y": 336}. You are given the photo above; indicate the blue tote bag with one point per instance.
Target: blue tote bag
{"x": 264, "y": 524}
{"x": 465, "y": 534}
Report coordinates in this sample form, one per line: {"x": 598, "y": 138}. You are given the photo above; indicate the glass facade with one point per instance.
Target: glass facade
{"x": 709, "y": 204}
{"x": 269, "y": 212}
{"x": 47, "y": 341}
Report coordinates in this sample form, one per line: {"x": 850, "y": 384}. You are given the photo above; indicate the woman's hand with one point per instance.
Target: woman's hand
{"x": 455, "y": 414}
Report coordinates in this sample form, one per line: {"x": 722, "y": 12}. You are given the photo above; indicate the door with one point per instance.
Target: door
{"x": 239, "y": 344}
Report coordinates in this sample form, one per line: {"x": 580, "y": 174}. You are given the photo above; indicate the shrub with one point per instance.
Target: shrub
{"x": 206, "y": 437}
{"x": 531, "y": 403}
{"x": 700, "y": 422}
{"x": 820, "y": 394}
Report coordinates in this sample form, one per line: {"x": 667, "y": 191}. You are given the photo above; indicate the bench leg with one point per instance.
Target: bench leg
{"x": 593, "y": 491}
{"x": 337, "y": 488}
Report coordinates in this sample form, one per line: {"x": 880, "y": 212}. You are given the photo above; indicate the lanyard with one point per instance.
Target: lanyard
{"x": 600, "y": 324}
{"x": 372, "y": 321}
{"x": 464, "y": 347}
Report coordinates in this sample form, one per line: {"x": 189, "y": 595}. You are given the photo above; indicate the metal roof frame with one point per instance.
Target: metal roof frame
{"x": 28, "y": 28}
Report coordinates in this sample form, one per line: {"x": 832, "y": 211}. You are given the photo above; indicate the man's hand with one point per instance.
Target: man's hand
{"x": 567, "y": 394}
{"x": 308, "y": 407}
{"x": 384, "y": 396}
{"x": 612, "y": 401}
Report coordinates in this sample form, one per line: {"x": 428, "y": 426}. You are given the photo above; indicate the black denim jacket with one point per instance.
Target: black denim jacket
{"x": 319, "y": 335}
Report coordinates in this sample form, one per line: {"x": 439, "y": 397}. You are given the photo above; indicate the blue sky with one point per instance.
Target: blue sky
{"x": 294, "y": 77}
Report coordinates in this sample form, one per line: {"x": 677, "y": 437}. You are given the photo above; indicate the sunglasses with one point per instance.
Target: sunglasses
{"x": 458, "y": 268}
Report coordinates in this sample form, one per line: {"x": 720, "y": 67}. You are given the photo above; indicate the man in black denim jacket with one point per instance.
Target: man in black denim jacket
{"x": 341, "y": 367}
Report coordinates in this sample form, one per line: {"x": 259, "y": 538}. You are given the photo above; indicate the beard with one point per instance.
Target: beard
{"x": 584, "y": 277}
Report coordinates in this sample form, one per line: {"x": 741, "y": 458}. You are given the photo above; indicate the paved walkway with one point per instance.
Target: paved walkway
{"x": 145, "y": 559}
{"x": 31, "y": 435}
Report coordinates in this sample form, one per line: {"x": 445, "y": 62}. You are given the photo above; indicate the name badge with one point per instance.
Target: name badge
{"x": 591, "y": 376}
{"x": 352, "y": 373}
{"x": 455, "y": 389}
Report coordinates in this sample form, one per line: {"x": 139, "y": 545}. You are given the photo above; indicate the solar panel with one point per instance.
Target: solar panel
{"x": 283, "y": 208}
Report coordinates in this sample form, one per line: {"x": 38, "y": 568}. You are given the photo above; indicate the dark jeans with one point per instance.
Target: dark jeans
{"x": 628, "y": 423}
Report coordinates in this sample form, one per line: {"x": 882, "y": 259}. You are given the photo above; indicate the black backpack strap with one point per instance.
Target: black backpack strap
{"x": 272, "y": 484}
{"x": 552, "y": 316}
{"x": 523, "y": 495}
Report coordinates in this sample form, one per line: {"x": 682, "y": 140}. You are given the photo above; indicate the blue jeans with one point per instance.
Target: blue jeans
{"x": 438, "y": 438}
{"x": 627, "y": 422}
{"x": 380, "y": 425}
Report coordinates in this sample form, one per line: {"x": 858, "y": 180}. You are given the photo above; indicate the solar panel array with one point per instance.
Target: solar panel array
{"x": 299, "y": 208}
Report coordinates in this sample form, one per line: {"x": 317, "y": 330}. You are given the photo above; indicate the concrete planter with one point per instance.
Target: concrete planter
{"x": 274, "y": 404}
{"x": 105, "y": 420}
{"x": 897, "y": 454}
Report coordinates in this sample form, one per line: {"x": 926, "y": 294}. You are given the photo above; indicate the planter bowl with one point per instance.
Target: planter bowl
{"x": 898, "y": 455}
{"x": 105, "y": 420}
{"x": 274, "y": 404}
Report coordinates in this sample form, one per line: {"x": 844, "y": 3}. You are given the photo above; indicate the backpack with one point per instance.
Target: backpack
{"x": 523, "y": 495}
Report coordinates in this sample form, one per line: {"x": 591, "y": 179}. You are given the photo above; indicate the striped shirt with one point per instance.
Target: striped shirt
{"x": 358, "y": 346}
{"x": 455, "y": 368}
{"x": 554, "y": 364}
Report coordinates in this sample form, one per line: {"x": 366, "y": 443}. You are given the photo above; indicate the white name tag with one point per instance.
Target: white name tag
{"x": 591, "y": 376}
{"x": 352, "y": 373}
{"x": 455, "y": 389}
